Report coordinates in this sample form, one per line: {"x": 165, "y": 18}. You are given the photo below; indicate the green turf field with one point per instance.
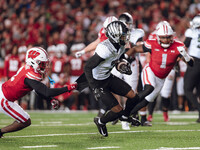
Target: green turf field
{"x": 76, "y": 131}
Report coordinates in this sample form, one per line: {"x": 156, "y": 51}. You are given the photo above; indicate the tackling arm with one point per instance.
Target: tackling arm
{"x": 135, "y": 49}
{"x": 92, "y": 46}
{"x": 46, "y": 92}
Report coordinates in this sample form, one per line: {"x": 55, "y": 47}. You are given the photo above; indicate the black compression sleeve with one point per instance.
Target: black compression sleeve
{"x": 145, "y": 49}
{"x": 140, "y": 40}
{"x": 187, "y": 41}
{"x": 94, "y": 61}
{"x": 43, "y": 90}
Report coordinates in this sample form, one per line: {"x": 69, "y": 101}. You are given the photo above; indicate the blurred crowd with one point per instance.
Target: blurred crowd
{"x": 66, "y": 26}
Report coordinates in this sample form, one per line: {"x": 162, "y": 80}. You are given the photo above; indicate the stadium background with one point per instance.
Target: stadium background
{"x": 51, "y": 22}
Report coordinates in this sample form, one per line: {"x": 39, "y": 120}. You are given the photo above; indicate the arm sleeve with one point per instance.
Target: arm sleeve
{"x": 140, "y": 40}
{"x": 94, "y": 61}
{"x": 43, "y": 90}
{"x": 145, "y": 49}
{"x": 187, "y": 41}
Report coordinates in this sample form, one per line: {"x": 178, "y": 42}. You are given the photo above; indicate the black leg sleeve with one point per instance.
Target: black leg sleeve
{"x": 147, "y": 90}
{"x": 142, "y": 104}
{"x": 130, "y": 104}
{"x": 110, "y": 116}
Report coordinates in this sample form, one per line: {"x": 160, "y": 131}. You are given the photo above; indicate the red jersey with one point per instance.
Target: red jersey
{"x": 58, "y": 64}
{"x": 11, "y": 65}
{"x": 14, "y": 88}
{"x": 76, "y": 66}
{"x": 163, "y": 59}
{"x": 102, "y": 36}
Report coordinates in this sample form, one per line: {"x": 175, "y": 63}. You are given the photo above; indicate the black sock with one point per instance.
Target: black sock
{"x": 1, "y": 133}
{"x": 130, "y": 104}
{"x": 151, "y": 107}
{"x": 165, "y": 104}
{"x": 143, "y": 119}
{"x": 110, "y": 116}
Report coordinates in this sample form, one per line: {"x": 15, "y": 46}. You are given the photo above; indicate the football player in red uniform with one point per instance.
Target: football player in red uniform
{"x": 27, "y": 79}
{"x": 165, "y": 51}
{"x": 58, "y": 63}
{"x": 167, "y": 87}
{"x": 12, "y": 64}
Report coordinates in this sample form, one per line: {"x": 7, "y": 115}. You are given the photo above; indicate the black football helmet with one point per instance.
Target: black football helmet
{"x": 118, "y": 32}
{"x": 127, "y": 19}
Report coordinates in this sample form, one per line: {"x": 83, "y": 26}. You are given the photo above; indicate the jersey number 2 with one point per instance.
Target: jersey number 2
{"x": 164, "y": 61}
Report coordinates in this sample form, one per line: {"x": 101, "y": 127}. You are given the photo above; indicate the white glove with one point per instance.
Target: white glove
{"x": 184, "y": 53}
{"x": 80, "y": 53}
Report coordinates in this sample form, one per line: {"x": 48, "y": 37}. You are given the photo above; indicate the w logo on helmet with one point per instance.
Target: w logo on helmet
{"x": 33, "y": 54}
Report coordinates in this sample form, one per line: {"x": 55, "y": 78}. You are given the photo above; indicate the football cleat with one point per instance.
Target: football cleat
{"x": 133, "y": 121}
{"x": 147, "y": 124}
{"x": 125, "y": 125}
{"x": 101, "y": 127}
{"x": 165, "y": 116}
{"x": 150, "y": 118}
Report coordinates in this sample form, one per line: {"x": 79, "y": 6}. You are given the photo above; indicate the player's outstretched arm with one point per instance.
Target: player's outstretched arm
{"x": 135, "y": 49}
{"x": 92, "y": 46}
{"x": 46, "y": 92}
{"x": 187, "y": 58}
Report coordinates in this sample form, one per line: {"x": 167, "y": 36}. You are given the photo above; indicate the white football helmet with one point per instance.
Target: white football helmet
{"x": 109, "y": 20}
{"x": 37, "y": 58}
{"x": 127, "y": 19}
{"x": 195, "y": 23}
{"x": 162, "y": 23}
{"x": 164, "y": 31}
{"x": 118, "y": 32}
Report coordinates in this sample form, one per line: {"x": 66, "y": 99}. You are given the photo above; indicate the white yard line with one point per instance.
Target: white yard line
{"x": 105, "y": 147}
{"x": 173, "y": 148}
{"x": 64, "y": 134}
{"x": 39, "y": 146}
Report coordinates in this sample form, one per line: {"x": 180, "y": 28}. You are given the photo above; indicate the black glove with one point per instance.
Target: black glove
{"x": 123, "y": 66}
{"x": 98, "y": 92}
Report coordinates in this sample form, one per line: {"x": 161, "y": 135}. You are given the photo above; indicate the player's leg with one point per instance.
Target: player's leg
{"x": 132, "y": 80}
{"x": 152, "y": 86}
{"x": 189, "y": 85}
{"x": 22, "y": 119}
{"x": 151, "y": 108}
{"x": 122, "y": 88}
{"x": 114, "y": 111}
{"x": 180, "y": 92}
{"x": 166, "y": 94}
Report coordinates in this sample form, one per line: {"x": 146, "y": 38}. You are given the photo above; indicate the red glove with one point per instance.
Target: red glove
{"x": 72, "y": 86}
{"x": 55, "y": 104}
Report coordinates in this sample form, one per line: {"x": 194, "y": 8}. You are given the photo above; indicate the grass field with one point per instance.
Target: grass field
{"x": 76, "y": 131}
